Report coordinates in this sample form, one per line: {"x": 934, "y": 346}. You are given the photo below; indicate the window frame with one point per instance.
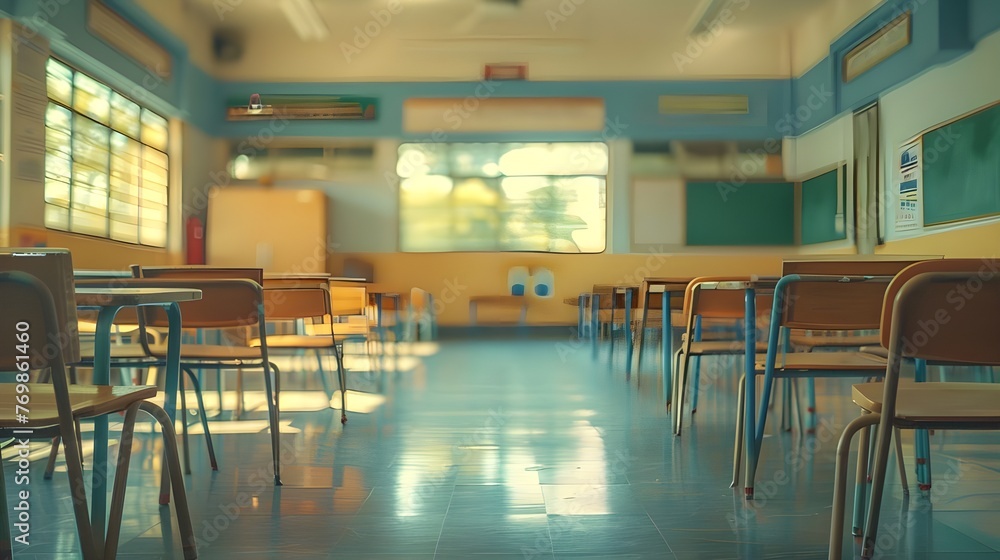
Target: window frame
{"x": 109, "y": 164}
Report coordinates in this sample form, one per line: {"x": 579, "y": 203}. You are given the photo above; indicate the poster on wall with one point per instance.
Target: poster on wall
{"x": 908, "y": 187}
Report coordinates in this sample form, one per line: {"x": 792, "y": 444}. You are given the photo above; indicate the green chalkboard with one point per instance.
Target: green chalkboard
{"x": 724, "y": 213}
{"x": 961, "y": 168}
{"x": 821, "y": 200}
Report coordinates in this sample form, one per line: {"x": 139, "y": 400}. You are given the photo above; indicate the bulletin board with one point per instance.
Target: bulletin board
{"x": 279, "y": 230}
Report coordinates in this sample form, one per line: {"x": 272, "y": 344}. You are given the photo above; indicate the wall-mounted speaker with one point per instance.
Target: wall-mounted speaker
{"x": 227, "y": 45}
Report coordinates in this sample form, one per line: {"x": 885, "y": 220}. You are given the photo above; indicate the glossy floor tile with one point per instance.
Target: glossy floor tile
{"x": 522, "y": 448}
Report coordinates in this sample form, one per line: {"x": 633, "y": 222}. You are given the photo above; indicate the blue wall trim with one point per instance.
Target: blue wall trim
{"x": 942, "y": 31}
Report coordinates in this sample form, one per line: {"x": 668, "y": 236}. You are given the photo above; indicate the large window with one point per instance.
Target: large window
{"x": 547, "y": 197}
{"x": 106, "y": 164}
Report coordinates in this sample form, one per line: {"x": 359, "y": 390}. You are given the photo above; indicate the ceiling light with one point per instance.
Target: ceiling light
{"x": 305, "y": 18}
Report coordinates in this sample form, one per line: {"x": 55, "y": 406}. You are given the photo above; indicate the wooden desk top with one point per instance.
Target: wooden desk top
{"x": 667, "y": 280}
{"x": 85, "y": 273}
{"x": 760, "y": 283}
{"x": 103, "y": 297}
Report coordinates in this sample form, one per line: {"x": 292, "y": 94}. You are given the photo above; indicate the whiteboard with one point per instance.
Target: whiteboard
{"x": 658, "y": 211}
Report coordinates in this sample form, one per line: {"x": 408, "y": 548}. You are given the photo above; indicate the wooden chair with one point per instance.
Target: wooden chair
{"x": 946, "y": 311}
{"x": 232, "y": 298}
{"x": 310, "y": 301}
{"x": 847, "y": 303}
{"x": 803, "y": 340}
{"x": 722, "y": 306}
{"x": 422, "y": 318}
{"x": 37, "y": 295}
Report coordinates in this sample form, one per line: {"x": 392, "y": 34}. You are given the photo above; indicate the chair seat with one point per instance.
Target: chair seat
{"x": 118, "y": 351}
{"x": 876, "y": 351}
{"x": 830, "y": 361}
{"x": 828, "y": 341}
{"x": 722, "y": 347}
{"x": 295, "y": 341}
{"x": 349, "y": 328}
{"x": 935, "y": 402}
{"x": 86, "y": 401}
{"x": 209, "y": 352}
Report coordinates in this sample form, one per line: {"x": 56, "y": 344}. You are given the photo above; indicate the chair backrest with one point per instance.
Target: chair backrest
{"x": 420, "y": 301}
{"x": 852, "y": 265}
{"x": 721, "y": 304}
{"x": 655, "y": 290}
{"x": 834, "y": 303}
{"x": 283, "y": 304}
{"x": 231, "y": 296}
{"x": 23, "y": 308}
{"x": 312, "y": 280}
{"x": 348, "y": 300}
{"x": 199, "y": 272}
{"x": 626, "y": 295}
{"x": 947, "y": 310}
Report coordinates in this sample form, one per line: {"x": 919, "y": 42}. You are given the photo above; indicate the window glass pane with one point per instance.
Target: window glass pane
{"x": 121, "y": 231}
{"x": 59, "y": 80}
{"x": 88, "y": 223}
{"x": 57, "y": 192}
{"x": 56, "y": 217}
{"x": 154, "y": 234}
{"x": 91, "y": 98}
{"x": 548, "y": 197}
{"x": 124, "y": 115}
{"x": 154, "y": 130}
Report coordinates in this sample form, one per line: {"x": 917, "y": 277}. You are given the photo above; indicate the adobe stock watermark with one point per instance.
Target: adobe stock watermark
{"x": 365, "y": 34}
{"x": 795, "y": 461}
{"x": 455, "y": 116}
{"x": 959, "y": 297}
{"x": 564, "y": 10}
{"x": 698, "y": 42}
{"x": 818, "y": 98}
{"x": 259, "y": 480}
{"x": 575, "y": 342}
{"x": 568, "y": 523}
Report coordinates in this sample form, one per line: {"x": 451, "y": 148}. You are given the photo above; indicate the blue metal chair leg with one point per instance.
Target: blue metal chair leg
{"x": 922, "y": 438}
{"x": 696, "y": 373}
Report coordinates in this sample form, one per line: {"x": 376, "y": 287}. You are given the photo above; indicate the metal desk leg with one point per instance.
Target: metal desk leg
{"x": 668, "y": 346}
{"x": 750, "y": 424}
{"x": 102, "y": 375}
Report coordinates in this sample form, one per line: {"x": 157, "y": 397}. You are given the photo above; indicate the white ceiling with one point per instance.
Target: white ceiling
{"x": 558, "y": 39}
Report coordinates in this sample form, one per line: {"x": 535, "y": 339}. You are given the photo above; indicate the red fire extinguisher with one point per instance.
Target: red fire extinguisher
{"x": 195, "y": 241}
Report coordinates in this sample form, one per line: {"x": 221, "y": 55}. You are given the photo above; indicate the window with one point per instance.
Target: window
{"x": 106, "y": 165}
{"x": 548, "y": 197}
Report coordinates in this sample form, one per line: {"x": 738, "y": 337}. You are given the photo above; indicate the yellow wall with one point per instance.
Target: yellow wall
{"x": 452, "y": 277}
{"x": 968, "y": 242}
{"x": 91, "y": 252}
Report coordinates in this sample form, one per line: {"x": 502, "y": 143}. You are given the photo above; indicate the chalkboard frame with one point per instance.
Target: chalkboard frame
{"x": 841, "y": 169}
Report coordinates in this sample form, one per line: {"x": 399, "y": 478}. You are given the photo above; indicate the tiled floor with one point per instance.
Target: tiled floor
{"x": 529, "y": 449}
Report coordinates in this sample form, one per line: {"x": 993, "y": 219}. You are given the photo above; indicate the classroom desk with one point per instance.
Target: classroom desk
{"x": 667, "y": 287}
{"x": 751, "y": 289}
{"x": 108, "y": 301}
